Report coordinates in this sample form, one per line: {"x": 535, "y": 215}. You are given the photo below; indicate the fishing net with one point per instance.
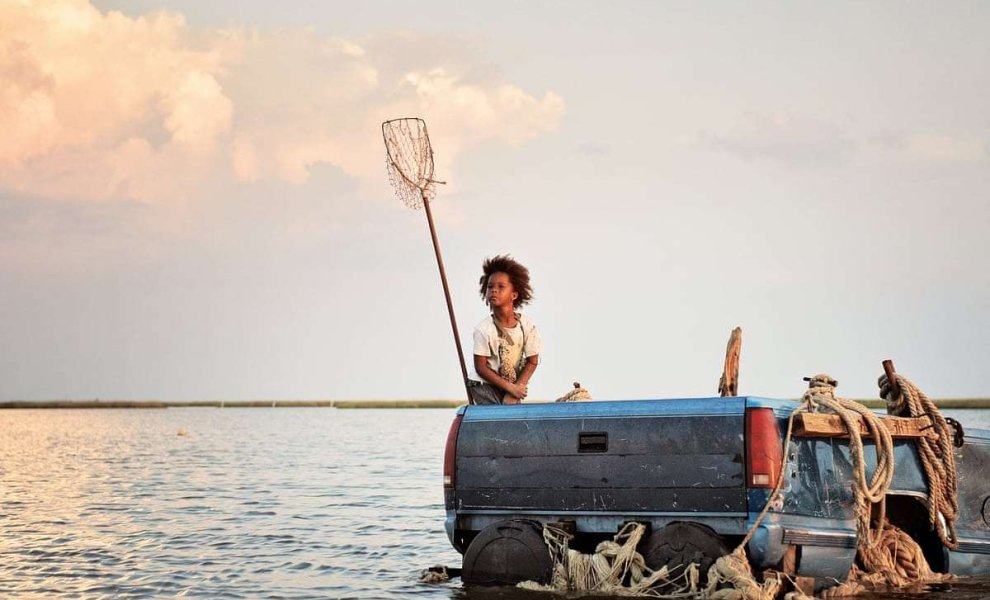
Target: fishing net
{"x": 409, "y": 160}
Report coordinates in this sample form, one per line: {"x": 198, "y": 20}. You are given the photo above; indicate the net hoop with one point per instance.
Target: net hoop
{"x": 409, "y": 160}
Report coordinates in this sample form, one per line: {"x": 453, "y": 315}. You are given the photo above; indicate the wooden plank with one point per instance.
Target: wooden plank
{"x": 817, "y": 425}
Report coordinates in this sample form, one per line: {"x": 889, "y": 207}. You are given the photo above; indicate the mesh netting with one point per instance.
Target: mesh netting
{"x": 409, "y": 160}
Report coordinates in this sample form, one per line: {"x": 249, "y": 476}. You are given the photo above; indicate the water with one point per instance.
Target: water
{"x": 245, "y": 503}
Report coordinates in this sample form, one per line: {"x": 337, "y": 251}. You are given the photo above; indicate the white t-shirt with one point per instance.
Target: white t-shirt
{"x": 486, "y": 339}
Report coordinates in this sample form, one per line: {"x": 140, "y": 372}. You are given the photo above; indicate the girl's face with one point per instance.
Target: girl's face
{"x": 500, "y": 291}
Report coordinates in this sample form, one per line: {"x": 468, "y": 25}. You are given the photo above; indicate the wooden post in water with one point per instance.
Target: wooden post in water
{"x": 728, "y": 385}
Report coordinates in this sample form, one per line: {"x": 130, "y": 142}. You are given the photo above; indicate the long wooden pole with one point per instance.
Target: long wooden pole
{"x": 446, "y": 293}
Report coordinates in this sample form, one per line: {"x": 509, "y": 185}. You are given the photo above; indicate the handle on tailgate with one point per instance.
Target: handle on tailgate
{"x": 593, "y": 441}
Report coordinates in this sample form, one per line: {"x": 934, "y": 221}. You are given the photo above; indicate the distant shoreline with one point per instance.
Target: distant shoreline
{"x": 145, "y": 404}
{"x": 948, "y": 403}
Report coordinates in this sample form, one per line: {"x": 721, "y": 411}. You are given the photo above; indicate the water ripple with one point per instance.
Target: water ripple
{"x": 284, "y": 503}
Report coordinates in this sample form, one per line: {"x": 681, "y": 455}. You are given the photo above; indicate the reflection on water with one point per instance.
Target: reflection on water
{"x": 251, "y": 502}
{"x": 305, "y": 502}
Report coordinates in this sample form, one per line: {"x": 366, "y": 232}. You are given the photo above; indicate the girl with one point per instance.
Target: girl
{"x": 506, "y": 344}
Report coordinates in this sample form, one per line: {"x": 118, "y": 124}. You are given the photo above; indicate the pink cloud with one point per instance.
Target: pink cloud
{"x": 101, "y": 106}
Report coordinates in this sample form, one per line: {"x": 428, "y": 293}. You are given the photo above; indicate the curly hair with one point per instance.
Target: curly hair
{"x": 518, "y": 275}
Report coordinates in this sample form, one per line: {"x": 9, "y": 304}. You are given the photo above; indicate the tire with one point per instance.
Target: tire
{"x": 506, "y": 553}
{"x": 679, "y": 544}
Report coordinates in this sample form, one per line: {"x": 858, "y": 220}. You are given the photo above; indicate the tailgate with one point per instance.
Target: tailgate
{"x": 629, "y": 456}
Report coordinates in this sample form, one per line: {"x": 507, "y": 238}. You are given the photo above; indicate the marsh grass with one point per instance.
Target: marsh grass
{"x": 231, "y": 403}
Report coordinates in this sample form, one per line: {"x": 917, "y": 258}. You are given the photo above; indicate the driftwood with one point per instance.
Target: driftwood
{"x": 728, "y": 385}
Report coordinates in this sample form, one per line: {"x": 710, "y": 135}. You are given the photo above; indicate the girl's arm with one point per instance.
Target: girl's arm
{"x": 532, "y": 348}
{"x": 486, "y": 373}
{"x": 528, "y": 369}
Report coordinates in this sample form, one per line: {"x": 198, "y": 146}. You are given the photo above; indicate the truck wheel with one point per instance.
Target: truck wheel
{"x": 506, "y": 553}
{"x": 679, "y": 544}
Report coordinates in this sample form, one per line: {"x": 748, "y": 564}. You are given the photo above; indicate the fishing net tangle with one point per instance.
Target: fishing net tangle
{"x": 409, "y": 160}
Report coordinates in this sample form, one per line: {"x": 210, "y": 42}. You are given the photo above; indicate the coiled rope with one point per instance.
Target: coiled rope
{"x": 937, "y": 455}
{"x": 575, "y": 394}
{"x": 821, "y": 394}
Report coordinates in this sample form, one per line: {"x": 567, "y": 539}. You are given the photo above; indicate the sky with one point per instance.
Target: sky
{"x": 194, "y": 203}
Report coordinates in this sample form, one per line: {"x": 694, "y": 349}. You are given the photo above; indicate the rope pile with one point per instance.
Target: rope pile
{"x": 733, "y": 570}
{"x": 435, "y": 574}
{"x": 578, "y": 393}
{"x": 615, "y": 568}
{"x": 897, "y": 560}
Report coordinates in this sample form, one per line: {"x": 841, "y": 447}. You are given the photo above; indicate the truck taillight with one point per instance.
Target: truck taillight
{"x": 450, "y": 452}
{"x": 763, "y": 448}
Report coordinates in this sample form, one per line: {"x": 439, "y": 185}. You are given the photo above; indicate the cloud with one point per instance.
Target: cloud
{"x": 804, "y": 140}
{"x": 784, "y": 137}
{"x": 924, "y": 149}
{"x": 940, "y": 148}
{"x": 100, "y": 106}
{"x": 593, "y": 149}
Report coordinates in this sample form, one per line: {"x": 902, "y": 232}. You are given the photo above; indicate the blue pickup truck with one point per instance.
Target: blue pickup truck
{"x": 696, "y": 472}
